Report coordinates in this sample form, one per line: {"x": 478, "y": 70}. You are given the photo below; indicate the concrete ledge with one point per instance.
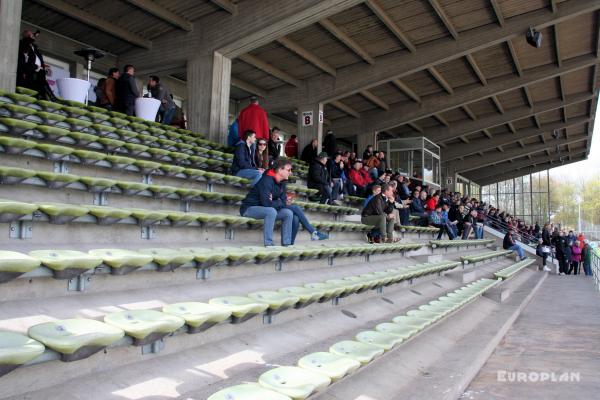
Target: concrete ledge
{"x": 462, "y": 276}
{"x": 498, "y": 294}
{"x": 428, "y": 258}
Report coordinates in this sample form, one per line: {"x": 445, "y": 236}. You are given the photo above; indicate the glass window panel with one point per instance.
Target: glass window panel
{"x": 526, "y": 184}
{"x": 519, "y": 185}
{"x": 428, "y": 167}
{"x": 436, "y": 170}
{"x": 417, "y": 162}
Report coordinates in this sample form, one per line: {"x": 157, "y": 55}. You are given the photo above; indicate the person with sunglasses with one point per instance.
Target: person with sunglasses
{"x": 262, "y": 155}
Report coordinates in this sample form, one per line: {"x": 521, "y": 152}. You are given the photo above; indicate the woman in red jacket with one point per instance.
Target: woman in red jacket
{"x": 357, "y": 179}
{"x": 432, "y": 202}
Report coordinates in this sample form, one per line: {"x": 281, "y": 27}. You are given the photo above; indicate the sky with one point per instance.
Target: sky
{"x": 586, "y": 168}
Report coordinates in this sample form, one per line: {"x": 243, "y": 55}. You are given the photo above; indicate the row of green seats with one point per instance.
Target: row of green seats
{"x": 512, "y": 270}
{"x": 79, "y": 338}
{"x": 459, "y": 242}
{"x": 473, "y": 258}
{"x": 418, "y": 229}
{"x": 316, "y": 371}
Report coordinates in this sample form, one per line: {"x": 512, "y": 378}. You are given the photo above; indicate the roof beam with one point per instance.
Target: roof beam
{"x": 553, "y": 6}
{"x": 497, "y": 12}
{"x": 402, "y": 113}
{"x": 514, "y": 57}
{"x": 356, "y": 77}
{"x": 557, "y": 46}
{"x": 456, "y": 151}
{"x": 248, "y": 87}
{"x": 415, "y": 127}
{"x": 307, "y": 55}
{"x": 391, "y": 25}
{"x": 375, "y": 99}
{"x": 440, "y": 79}
{"x": 346, "y": 40}
{"x": 160, "y": 12}
{"x": 226, "y": 5}
{"x": 345, "y": 108}
{"x": 475, "y": 162}
{"x": 441, "y": 119}
{"x": 440, "y": 135}
{"x": 269, "y": 69}
{"x": 487, "y": 133}
{"x": 467, "y": 110}
{"x": 406, "y": 90}
{"x": 476, "y": 69}
{"x": 512, "y": 128}
{"x": 498, "y": 105}
{"x": 92, "y": 20}
{"x": 444, "y": 17}
{"x": 528, "y": 96}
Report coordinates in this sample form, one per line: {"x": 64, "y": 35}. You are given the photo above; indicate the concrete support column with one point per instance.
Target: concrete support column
{"x": 208, "y": 84}
{"x": 310, "y": 125}
{"x": 10, "y": 24}
{"x": 365, "y": 139}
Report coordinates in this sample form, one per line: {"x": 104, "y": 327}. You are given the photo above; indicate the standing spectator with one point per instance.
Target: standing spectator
{"x": 162, "y": 93}
{"x": 274, "y": 145}
{"x": 31, "y": 69}
{"x": 108, "y": 97}
{"x": 318, "y": 177}
{"x": 127, "y": 91}
{"x": 262, "y": 159}
{"x": 546, "y": 249}
{"x": 291, "y": 147}
{"x": 586, "y": 256}
{"x": 254, "y": 118}
{"x": 575, "y": 258}
{"x": 329, "y": 144}
{"x": 232, "y": 136}
{"x": 309, "y": 153}
{"x": 450, "y": 225}
{"x": 382, "y": 164}
{"x": 244, "y": 159}
{"x": 509, "y": 243}
{"x": 99, "y": 90}
{"x": 560, "y": 243}
{"x": 379, "y": 213}
{"x": 368, "y": 152}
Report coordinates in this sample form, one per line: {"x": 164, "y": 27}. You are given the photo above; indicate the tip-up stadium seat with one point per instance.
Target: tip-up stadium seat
{"x": 121, "y": 261}
{"x": 295, "y": 382}
{"x": 277, "y": 301}
{"x": 66, "y": 264}
{"x": 106, "y": 215}
{"x": 242, "y": 308}
{"x": 27, "y": 91}
{"x": 403, "y": 331}
{"x": 50, "y": 106}
{"x": 14, "y": 175}
{"x": 97, "y": 185}
{"x": 145, "y": 326}
{"x": 168, "y": 259}
{"x": 16, "y": 350}
{"x": 75, "y": 338}
{"x": 198, "y": 316}
{"x": 428, "y": 315}
{"x": 55, "y": 180}
{"x": 412, "y": 321}
{"x": 59, "y": 213}
{"x": 13, "y": 210}
{"x": 510, "y": 271}
{"x": 349, "y": 286}
{"x": 16, "y": 145}
{"x": 237, "y": 256}
{"x": 204, "y": 257}
{"x": 13, "y": 264}
{"x": 247, "y": 391}
{"x": 16, "y": 126}
{"x": 305, "y": 295}
{"x": 54, "y": 152}
{"x": 380, "y": 339}
{"x": 330, "y": 290}
{"x": 89, "y": 157}
{"x": 21, "y": 99}
{"x": 148, "y": 217}
{"x": 331, "y": 365}
{"x": 361, "y": 352}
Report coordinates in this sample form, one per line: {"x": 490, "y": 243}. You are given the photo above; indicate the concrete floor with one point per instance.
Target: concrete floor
{"x": 557, "y": 333}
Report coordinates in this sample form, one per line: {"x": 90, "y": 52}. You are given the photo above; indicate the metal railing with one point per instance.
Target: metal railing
{"x": 499, "y": 225}
{"x": 596, "y": 266}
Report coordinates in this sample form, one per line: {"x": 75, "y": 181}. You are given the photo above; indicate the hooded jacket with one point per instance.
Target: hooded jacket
{"x": 243, "y": 158}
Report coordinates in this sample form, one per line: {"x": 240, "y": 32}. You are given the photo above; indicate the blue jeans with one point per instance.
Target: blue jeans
{"x": 479, "y": 232}
{"x": 518, "y": 249}
{"x": 253, "y": 174}
{"x": 270, "y": 215}
{"x": 168, "y": 116}
{"x": 299, "y": 218}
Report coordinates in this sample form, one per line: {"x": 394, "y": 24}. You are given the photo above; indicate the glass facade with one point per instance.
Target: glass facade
{"x": 525, "y": 197}
{"x": 415, "y": 157}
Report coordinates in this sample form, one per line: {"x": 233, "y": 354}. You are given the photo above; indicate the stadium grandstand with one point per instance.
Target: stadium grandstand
{"x": 159, "y": 157}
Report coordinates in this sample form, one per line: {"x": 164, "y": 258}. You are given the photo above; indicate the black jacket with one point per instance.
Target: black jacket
{"x": 335, "y": 172}
{"x": 546, "y": 240}
{"x": 274, "y": 149}
{"x": 317, "y": 175}
{"x": 308, "y": 154}
{"x": 266, "y": 193}
{"x": 243, "y": 158}
{"x": 508, "y": 241}
{"x": 127, "y": 91}
{"x": 378, "y": 205}
{"x": 470, "y": 219}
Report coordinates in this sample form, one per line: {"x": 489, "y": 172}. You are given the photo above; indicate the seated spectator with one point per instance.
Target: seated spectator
{"x": 379, "y": 213}
{"x": 309, "y": 153}
{"x": 436, "y": 220}
{"x": 432, "y": 202}
{"x": 470, "y": 224}
{"x": 358, "y": 183}
{"x": 509, "y": 243}
{"x": 335, "y": 166}
{"x": 318, "y": 177}
{"x": 274, "y": 145}
{"x": 456, "y": 216}
{"x": 450, "y": 225}
{"x": 291, "y": 147}
{"x": 418, "y": 209}
{"x": 372, "y": 165}
{"x": 268, "y": 200}
{"x": 368, "y": 152}
{"x": 365, "y": 174}
{"x": 375, "y": 190}
{"x": 244, "y": 159}
{"x": 262, "y": 155}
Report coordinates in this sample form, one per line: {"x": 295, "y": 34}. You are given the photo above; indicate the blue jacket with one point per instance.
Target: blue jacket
{"x": 243, "y": 157}
{"x": 259, "y": 194}
{"x": 417, "y": 206}
{"x": 233, "y": 136}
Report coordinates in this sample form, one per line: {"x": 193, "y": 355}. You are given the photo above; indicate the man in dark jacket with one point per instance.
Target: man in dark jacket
{"x": 274, "y": 144}
{"x": 310, "y": 151}
{"x": 379, "y": 212}
{"x": 417, "y": 208}
{"x": 127, "y": 91}
{"x": 318, "y": 177}
{"x": 31, "y": 69}
{"x": 163, "y": 94}
{"x": 244, "y": 164}
{"x": 509, "y": 243}
{"x": 335, "y": 166}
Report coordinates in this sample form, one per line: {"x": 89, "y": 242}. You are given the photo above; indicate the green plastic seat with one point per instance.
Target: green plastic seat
{"x": 146, "y": 167}
{"x": 349, "y": 286}
{"x": 361, "y": 352}
{"x": 74, "y": 103}
{"x": 135, "y": 149}
{"x": 198, "y": 316}
{"x": 110, "y": 144}
{"x": 13, "y": 264}
{"x": 510, "y": 271}
{"x": 50, "y": 106}
{"x": 121, "y": 261}
{"x": 119, "y": 122}
{"x": 247, "y": 391}
{"x": 428, "y": 315}
{"x": 172, "y": 170}
{"x": 97, "y": 184}
{"x": 27, "y": 91}
{"x": 242, "y": 308}
{"x": 237, "y": 256}
{"x": 75, "y": 338}
{"x": 206, "y": 257}
{"x": 295, "y": 382}
{"x": 148, "y": 217}
{"x": 412, "y": 321}
{"x": 66, "y": 264}
{"x": 305, "y": 295}
{"x": 403, "y": 331}
{"x": 89, "y": 157}
{"x": 106, "y": 215}
{"x": 120, "y": 161}
{"x": 332, "y": 365}
{"x": 329, "y": 289}
{"x": 168, "y": 259}
{"x": 16, "y": 350}
{"x": 13, "y": 210}
{"x": 145, "y": 326}
{"x": 181, "y": 218}
{"x": 276, "y": 300}
{"x": 55, "y": 180}
{"x": 21, "y": 99}
{"x": 132, "y": 188}
{"x": 54, "y": 152}
{"x": 16, "y": 145}
{"x": 17, "y": 126}
{"x": 380, "y": 339}
{"x": 62, "y": 213}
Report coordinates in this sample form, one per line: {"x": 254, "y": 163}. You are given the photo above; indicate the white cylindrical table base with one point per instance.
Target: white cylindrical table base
{"x": 73, "y": 89}
{"x": 146, "y": 108}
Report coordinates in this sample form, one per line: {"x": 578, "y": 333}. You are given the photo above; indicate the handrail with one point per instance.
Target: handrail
{"x": 502, "y": 226}
{"x": 596, "y": 267}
